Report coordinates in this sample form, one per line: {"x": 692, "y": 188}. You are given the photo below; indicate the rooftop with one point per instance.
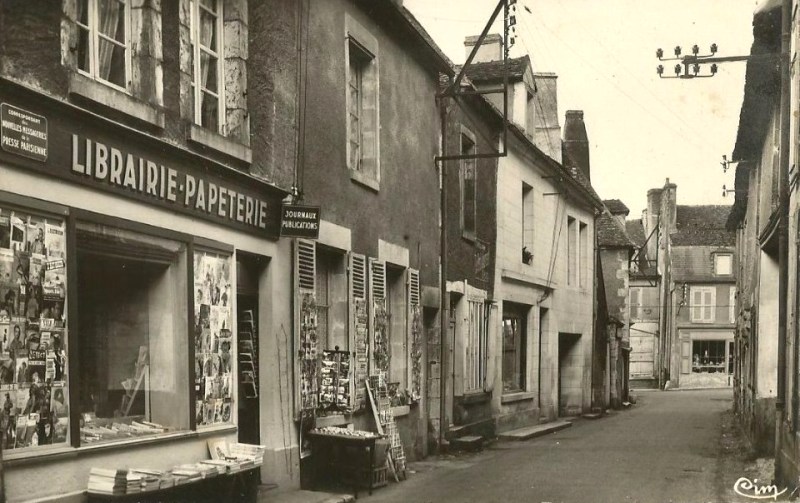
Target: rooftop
{"x": 493, "y": 70}
{"x": 702, "y": 226}
{"x": 611, "y": 233}
{"x": 635, "y": 230}
{"x": 616, "y": 207}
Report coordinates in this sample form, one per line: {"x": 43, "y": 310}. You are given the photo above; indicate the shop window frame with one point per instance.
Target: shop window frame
{"x": 54, "y": 210}
{"x": 198, "y": 243}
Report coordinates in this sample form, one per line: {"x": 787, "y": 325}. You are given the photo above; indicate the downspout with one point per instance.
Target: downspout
{"x": 783, "y": 222}
{"x": 444, "y": 303}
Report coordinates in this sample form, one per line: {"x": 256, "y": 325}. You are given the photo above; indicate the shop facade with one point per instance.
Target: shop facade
{"x": 125, "y": 339}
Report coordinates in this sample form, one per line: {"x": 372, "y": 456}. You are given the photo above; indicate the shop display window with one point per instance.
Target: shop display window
{"x": 709, "y": 356}
{"x": 133, "y": 376}
{"x": 33, "y": 342}
{"x": 213, "y": 341}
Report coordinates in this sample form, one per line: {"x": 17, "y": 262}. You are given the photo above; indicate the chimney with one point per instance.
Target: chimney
{"x": 490, "y": 50}
{"x": 653, "y": 211}
{"x": 575, "y": 148}
{"x": 669, "y": 204}
{"x": 547, "y": 130}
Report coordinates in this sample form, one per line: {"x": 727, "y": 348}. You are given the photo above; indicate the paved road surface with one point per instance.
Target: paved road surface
{"x": 664, "y": 449}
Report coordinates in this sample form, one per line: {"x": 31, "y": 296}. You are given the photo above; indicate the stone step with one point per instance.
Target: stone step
{"x": 534, "y": 431}
{"x": 468, "y": 443}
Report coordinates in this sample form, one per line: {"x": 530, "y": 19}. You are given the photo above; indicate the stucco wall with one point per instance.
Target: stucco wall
{"x": 409, "y": 131}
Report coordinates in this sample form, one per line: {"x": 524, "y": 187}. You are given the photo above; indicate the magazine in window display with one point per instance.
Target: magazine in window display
{"x": 35, "y": 235}
{"x": 36, "y": 271}
{"x": 225, "y": 385}
{"x": 45, "y": 339}
{"x": 59, "y": 356}
{"x": 6, "y": 369}
{"x": 6, "y": 268}
{"x": 54, "y": 240}
{"x": 5, "y": 229}
{"x": 225, "y": 351}
{"x": 18, "y": 233}
{"x": 205, "y": 314}
{"x": 19, "y": 433}
{"x": 21, "y": 362}
{"x": 16, "y": 340}
{"x": 217, "y": 411}
{"x": 226, "y": 411}
{"x": 55, "y": 285}
{"x": 5, "y": 334}
{"x": 37, "y": 362}
{"x": 32, "y": 337}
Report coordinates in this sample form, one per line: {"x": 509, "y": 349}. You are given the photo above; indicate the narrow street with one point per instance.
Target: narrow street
{"x": 665, "y": 448}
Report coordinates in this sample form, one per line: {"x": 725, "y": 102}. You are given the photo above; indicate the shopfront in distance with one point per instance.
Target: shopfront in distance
{"x": 140, "y": 294}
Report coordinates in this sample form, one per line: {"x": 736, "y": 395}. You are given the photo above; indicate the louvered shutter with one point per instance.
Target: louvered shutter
{"x": 359, "y": 327}
{"x": 379, "y": 326}
{"x": 697, "y": 305}
{"x": 686, "y": 357}
{"x": 306, "y": 326}
{"x": 709, "y": 304}
{"x": 415, "y": 371}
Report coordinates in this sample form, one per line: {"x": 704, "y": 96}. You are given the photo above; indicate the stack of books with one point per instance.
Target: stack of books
{"x": 185, "y": 475}
{"x": 205, "y": 470}
{"x": 151, "y": 479}
{"x": 108, "y": 481}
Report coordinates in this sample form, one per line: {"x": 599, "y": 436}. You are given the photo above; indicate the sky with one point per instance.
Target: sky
{"x": 642, "y": 129}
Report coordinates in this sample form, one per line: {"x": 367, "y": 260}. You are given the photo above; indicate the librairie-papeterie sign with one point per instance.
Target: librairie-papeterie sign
{"x": 23, "y": 133}
{"x": 113, "y": 158}
{"x": 300, "y": 221}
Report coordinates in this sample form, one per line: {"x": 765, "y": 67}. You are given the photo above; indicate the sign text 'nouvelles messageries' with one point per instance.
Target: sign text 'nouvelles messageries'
{"x": 124, "y": 170}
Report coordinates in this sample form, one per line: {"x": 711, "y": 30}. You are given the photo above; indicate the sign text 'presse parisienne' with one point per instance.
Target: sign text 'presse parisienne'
{"x": 124, "y": 170}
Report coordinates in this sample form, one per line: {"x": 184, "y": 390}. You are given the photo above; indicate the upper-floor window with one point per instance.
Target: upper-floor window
{"x": 723, "y": 264}
{"x": 527, "y": 223}
{"x": 208, "y": 84}
{"x": 468, "y": 177}
{"x": 572, "y": 250}
{"x": 362, "y": 105}
{"x": 104, "y": 41}
{"x": 703, "y": 304}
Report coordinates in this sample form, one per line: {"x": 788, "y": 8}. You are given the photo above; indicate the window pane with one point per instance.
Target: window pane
{"x": 131, "y": 305}
{"x": 214, "y": 351}
{"x": 111, "y": 19}
{"x": 208, "y": 72}
{"x": 83, "y": 50}
{"x": 33, "y": 355}
{"x": 112, "y": 62}
{"x": 209, "y": 112}
{"x": 208, "y": 30}
{"x": 723, "y": 264}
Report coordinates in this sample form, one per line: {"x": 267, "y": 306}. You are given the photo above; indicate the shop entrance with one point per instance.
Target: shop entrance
{"x": 570, "y": 374}
{"x": 249, "y": 269}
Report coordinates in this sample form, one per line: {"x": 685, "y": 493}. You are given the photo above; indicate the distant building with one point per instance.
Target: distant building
{"x": 694, "y": 256}
{"x": 612, "y": 334}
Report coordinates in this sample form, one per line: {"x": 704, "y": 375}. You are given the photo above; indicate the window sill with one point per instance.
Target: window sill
{"x": 471, "y": 397}
{"x": 85, "y": 87}
{"x": 51, "y": 454}
{"x": 322, "y": 422}
{"x": 401, "y": 410}
{"x": 518, "y": 396}
{"x": 367, "y": 181}
{"x": 219, "y": 143}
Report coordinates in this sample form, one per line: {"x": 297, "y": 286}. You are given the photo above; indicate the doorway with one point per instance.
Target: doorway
{"x": 249, "y": 269}
{"x": 570, "y": 374}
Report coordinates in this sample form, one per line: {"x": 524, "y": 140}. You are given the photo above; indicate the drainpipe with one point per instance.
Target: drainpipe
{"x": 444, "y": 300}
{"x": 783, "y": 222}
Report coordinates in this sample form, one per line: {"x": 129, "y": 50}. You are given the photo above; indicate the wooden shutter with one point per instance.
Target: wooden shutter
{"x": 305, "y": 361}
{"x": 709, "y": 304}
{"x": 359, "y": 327}
{"x": 686, "y": 357}
{"x": 732, "y": 305}
{"x": 379, "y": 329}
{"x": 415, "y": 371}
{"x": 697, "y": 304}
{"x": 636, "y": 302}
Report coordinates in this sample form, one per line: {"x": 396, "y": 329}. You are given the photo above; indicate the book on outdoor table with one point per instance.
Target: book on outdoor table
{"x": 220, "y": 465}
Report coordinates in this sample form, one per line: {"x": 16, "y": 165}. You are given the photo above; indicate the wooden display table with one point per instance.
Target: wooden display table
{"x": 324, "y": 445}
{"x": 239, "y": 486}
